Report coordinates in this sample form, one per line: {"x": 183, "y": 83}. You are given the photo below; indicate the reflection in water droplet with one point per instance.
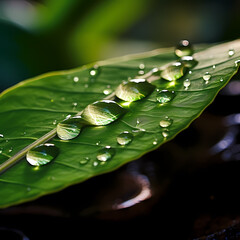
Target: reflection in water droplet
{"x": 85, "y": 160}
{"x": 186, "y": 84}
{"x": 134, "y": 90}
{"x": 206, "y": 77}
{"x": 141, "y": 72}
{"x": 10, "y": 150}
{"x": 231, "y": 52}
{"x": 124, "y": 138}
{"x": 105, "y": 154}
{"x": 214, "y": 66}
{"x": 70, "y": 128}
{"x": 174, "y": 71}
{"x": 55, "y": 122}
{"x": 221, "y": 79}
{"x": 155, "y": 142}
{"x": 74, "y": 104}
{"x": 102, "y": 112}
{"x": 188, "y": 61}
{"x": 1, "y": 135}
{"x": 166, "y": 122}
{"x": 76, "y": 79}
{"x": 184, "y": 48}
{"x": 42, "y": 154}
{"x": 164, "y": 96}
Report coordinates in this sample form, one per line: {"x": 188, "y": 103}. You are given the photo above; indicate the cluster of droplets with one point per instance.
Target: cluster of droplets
{"x": 104, "y": 112}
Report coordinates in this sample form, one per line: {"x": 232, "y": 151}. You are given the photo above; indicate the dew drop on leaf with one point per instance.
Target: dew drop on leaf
{"x": 165, "y": 133}
{"x": 184, "y": 48}
{"x": 134, "y": 90}
{"x": 75, "y": 79}
{"x": 70, "y": 128}
{"x": 1, "y": 135}
{"x": 186, "y": 84}
{"x": 231, "y": 52}
{"x": 166, "y": 122}
{"x": 93, "y": 72}
{"x": 85, "y": 160}
{"x": 42, "y": 154}
{"x": 165, "y": 96}
{"x": 174, "y": 71}
{"x": 237, "y": 63}
{"x": 124, "y": 138}
{"x": 105, "y": 154}
{"x": 206, "y": 77}
{"x": 102, "y": 112}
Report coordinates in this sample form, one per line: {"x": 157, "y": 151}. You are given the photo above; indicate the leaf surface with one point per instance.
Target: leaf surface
{"x": 34, "y": 107}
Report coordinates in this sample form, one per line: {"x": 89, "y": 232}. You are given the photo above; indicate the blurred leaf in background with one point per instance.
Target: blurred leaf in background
{"x": 47, "y": 35}
{"x": 37, "y": 36}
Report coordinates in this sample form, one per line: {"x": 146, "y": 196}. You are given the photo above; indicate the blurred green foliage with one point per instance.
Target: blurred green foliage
{"x": 47, "y": 35}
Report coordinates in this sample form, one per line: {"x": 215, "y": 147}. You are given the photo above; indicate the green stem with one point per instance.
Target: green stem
{"x": 18, "y": 156}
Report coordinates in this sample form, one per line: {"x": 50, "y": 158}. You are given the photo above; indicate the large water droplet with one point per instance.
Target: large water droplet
{"x": 105, "y": 154}
{"x": 231, "y": 52}
{"x": 75, "y": 79}
{"x": 206, "y": 77}
{"x": 42, "y": 154}
{"x": 184, "y": 48}
{"x": 166, "y": 122}
{"x": 188, "y": 61}
{"x": 164, "y": 96}
{"x": 102, "y": 112}
{"x": 134, "y": 90}
{"x": 174, "y": 71}
{"x": 1, "y": 135}
{"x": 124, "y": 138}
{"x": 70, "y": 128}
{"x": 237, "y": 63}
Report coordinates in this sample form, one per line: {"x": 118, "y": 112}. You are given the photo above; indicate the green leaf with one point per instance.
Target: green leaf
{"x": 34, "y": 107}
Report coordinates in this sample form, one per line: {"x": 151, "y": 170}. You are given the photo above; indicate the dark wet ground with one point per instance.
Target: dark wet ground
{"x": 188, "y": 189}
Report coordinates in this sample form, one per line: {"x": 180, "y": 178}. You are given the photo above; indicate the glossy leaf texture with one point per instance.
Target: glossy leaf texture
{"x": 34, "y": 107}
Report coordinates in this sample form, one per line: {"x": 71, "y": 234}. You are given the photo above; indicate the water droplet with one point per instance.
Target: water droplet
{"x": 107, "y": 91}
{"x": 231, "y": 52}
{"x": 1, "y": 135}
{"x": 155, "y": 142}
{"x": 134, "y": 90}
{"x": 74, "y": 104}
{"x": 85, "y": 160}
{"x": 174, "y": 71}
{"x": 237, "y": 63}
{"x": 105, "y": 154}
{"x": 166, "y": 122}
{"x": 102, "y": 112}
{"x": 165, "y": 133}
{"x": 70, "y": 128}
{"x": 184, "y": 48}
{"x": 188, "y": 61}
{"x": 93, "y": 72}
{"x": 221, "y": 79}
{"x": 86, "y": 85}
{"x": 1, "y": 150}
{"x": 164, "y": 96}
{"x": 124, "y": 138}
{"x": 76, "y": 79}
{"x": 42, "y": 154}
{"x": 98, "y": 143}
{"x": 141, "y": 72}
{"x": 206, "y": 77}
{"x": 55, "y": 122}
{"x": 214, "y": 66}
{"x": 190, "y": 72}
{"x": 186, "y": 84}
{"x": 10, "y": 150}
{"x": 141, "y": 66}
